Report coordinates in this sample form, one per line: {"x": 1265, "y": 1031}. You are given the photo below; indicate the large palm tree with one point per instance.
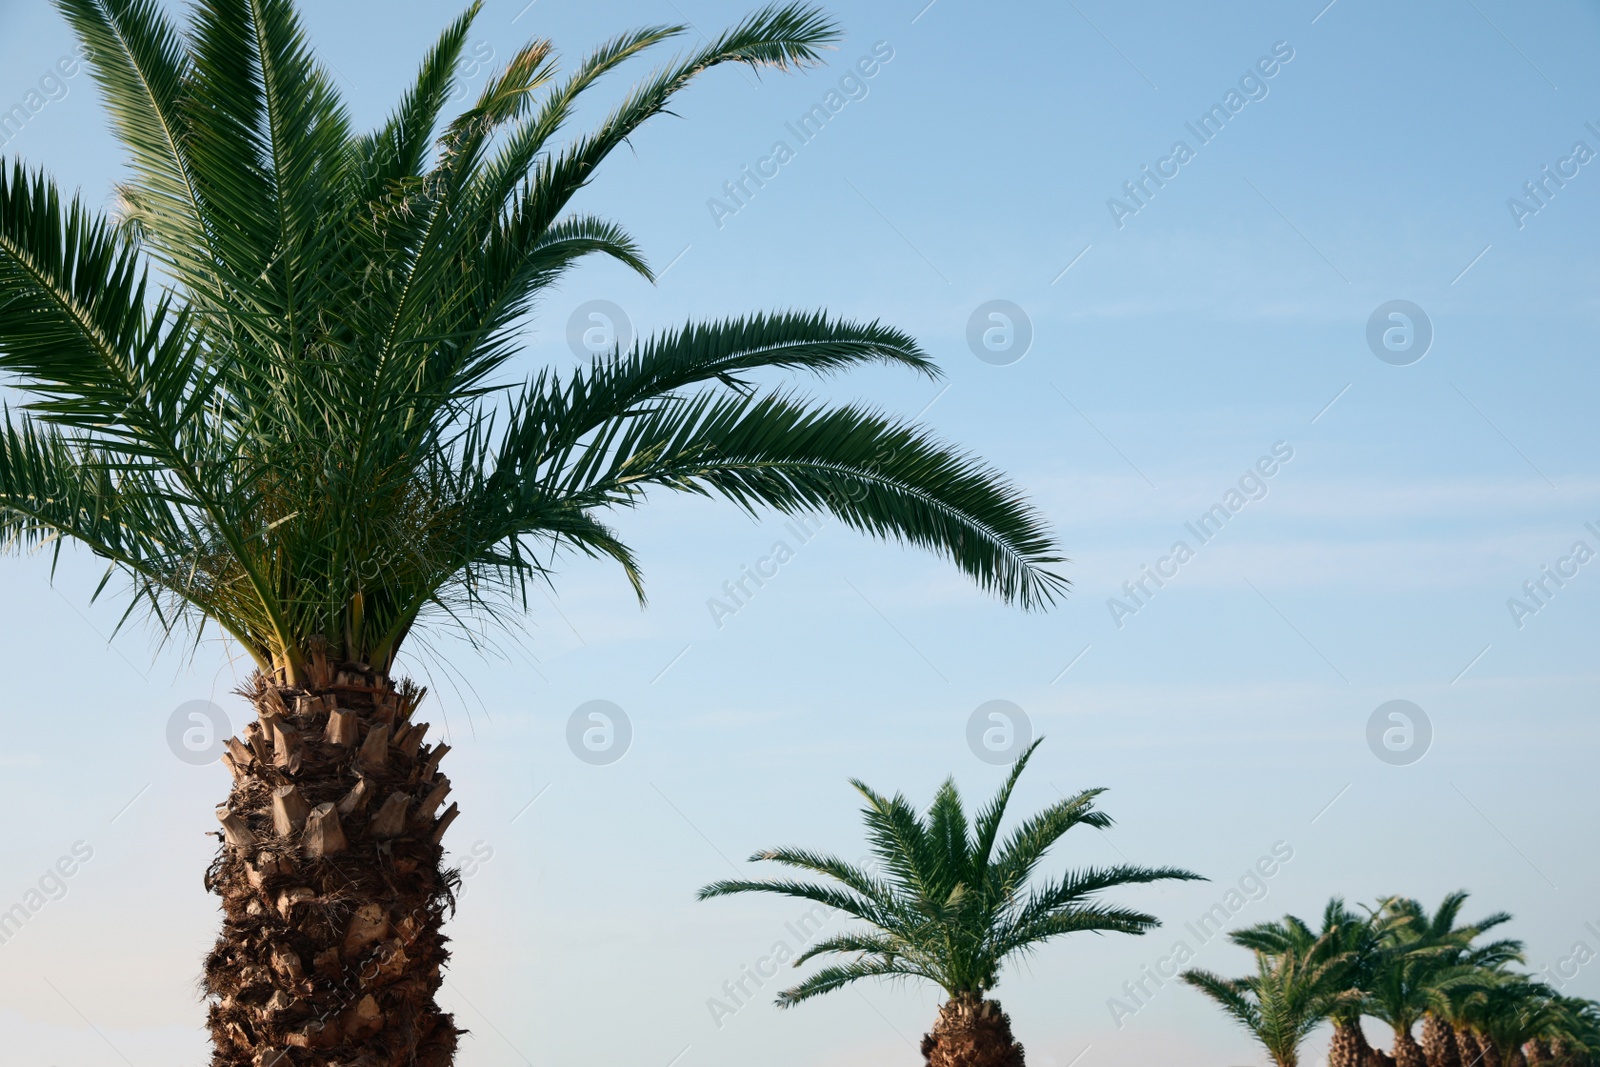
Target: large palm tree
{"x": 274, "y": 390}
{"x": 950, "y": 903}
{"x": 1290, "y": 994}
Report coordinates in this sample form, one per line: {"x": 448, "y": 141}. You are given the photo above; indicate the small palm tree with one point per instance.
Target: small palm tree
{"x": 1350, "y": 937}
{"x": 1290, "y": 994}
{"x": 275, "y": 390}
{"x": 951, "y": 904}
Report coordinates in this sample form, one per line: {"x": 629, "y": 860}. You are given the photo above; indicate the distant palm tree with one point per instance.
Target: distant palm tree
{"x": 1289, "y": 995}
{"x": 952, "y": 904}
{"x": 1414, "y": 976}
{"x": 1454, "y": 955}
{"x": 275, "y": 391}
{"x": 1352, "y": 938}
{"x": 1514, "y": 1012}
{"x": 1578, "y": 1042}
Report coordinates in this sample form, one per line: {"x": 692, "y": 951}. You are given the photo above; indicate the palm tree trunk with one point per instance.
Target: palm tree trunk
{"x": 971, "y": 1032}
{"x": 1349, "y": 1047}
{"x": 1439, "y": 1046}
{"x": 1407, "y": 1053}
{"x": 1471, "y": 1048}
{"x": 332, "y": 888}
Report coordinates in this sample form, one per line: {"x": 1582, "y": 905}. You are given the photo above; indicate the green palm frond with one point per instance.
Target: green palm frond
{"x": 1285, "y": 999}
{"x": 308, "y": 430}
{"x": 942, "y": 909}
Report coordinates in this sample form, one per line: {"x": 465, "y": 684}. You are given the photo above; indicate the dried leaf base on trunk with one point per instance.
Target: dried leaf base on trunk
{"x": 1407, "y": 1053}
{"x": 333, "y": 893}
{"x": 971, "y": 1032}
{"x": 1439, "y": 1045}
{"x": 1349, "y": 1047}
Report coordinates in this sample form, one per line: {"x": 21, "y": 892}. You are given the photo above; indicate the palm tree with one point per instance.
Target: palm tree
{"x": 1578, "y": 1043}
{"x": 1428, "y": 963}
{"x": 951, "y": 905}
{"x": 1290, "y": 994}
{"x": 274, "y": 392}
{"x": 1512, "y": 1012}
{"x": 1351, "y": 938}
{"x": 1410, "y": 979}
{"x": 1457, "y": 955}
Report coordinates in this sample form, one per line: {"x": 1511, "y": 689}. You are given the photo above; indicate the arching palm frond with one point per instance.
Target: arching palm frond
{"x": 1287, "y": 997}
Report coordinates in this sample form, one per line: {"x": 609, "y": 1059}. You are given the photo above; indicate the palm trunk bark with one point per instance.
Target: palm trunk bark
{"x": 971, "y": 1032}
{"x": 1439, "y": 1042}
{"x": 1471, "y": 1048}
{"x": 1407, "y": 1053}
{"x": 333, "y": 890}
{"x": 1349, "y": 1047}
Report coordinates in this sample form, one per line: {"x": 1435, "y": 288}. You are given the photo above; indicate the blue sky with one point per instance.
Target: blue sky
{"x": 1225, "y": 318}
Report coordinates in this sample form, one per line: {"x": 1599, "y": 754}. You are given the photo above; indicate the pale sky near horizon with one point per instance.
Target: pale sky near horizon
{"x": 1185, "y": 341}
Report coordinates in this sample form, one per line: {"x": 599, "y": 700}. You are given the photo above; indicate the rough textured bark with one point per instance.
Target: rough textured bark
{"x": 1349, "y": 1047}
{"x": 1439, "y": 1043}
{"x": 971, "y": 1032}
{"x": 331, "y": 949}
{"x": 1407, "y": 1053}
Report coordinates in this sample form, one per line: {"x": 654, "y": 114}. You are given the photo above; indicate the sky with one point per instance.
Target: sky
{"x": 1352, "y": 320}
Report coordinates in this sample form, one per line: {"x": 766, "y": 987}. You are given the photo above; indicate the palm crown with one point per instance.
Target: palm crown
{"x": 273, "y": 388}
{"x": 949, "y": 901}
{"x": 1426, "y": 962}
{"x": 1291, "y": 993}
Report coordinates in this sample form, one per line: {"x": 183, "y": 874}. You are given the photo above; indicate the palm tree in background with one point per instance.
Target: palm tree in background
{"x": 1454, "y": 954}
{"x": 1352, "y": 938}
{"x": 1513, "y": 1012}
{"x": 950, "y": 904}
{"x": 1290, "y": 994}
{"x": 274, "y": 391}
{"x": 1416, "y": 974}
